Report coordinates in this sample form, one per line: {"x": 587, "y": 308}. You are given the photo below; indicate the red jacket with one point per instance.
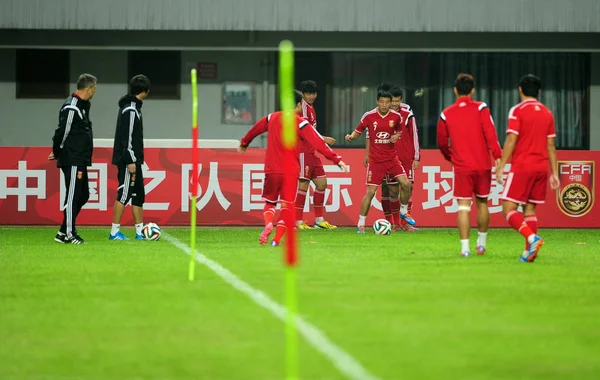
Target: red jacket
{"x": 466, "y": 135}
{"x": 275, "y": 155}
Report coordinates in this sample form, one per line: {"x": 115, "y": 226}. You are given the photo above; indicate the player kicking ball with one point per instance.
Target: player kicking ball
{"x": 408, "y": 151}
{"x": 384, "y": 127}
{"x": 275, "y": 188}
{"x": 530, "y": 141}
{"x": 311, "y": 167}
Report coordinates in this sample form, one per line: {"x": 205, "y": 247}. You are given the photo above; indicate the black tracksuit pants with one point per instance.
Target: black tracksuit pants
{"x": 77, "y": 195}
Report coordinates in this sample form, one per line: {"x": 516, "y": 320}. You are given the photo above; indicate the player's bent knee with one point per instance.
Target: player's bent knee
{"x": 464, "y": 208}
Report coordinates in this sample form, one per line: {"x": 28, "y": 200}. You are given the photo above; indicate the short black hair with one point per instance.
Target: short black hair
{"x": 138, "y": 84}
{"x": 384, "y": 86}
{"x": 384, "y": 94}
{"x": 530, "y": 85}
{"x": 86, "y": 81}
{"x": 464, "y": 84}
{"x": 297, "y": 97}
{"x": 308, "y": 87}
{"x": 396, "y": 92}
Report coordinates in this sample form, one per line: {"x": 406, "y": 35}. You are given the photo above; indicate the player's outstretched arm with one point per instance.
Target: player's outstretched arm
{"x": 316, "y": 140}
{"x": 509, "y": 148}
{"x": 259, "y": 128}
{"x": 329, "y": 140}
{"x": 352, "y": 136}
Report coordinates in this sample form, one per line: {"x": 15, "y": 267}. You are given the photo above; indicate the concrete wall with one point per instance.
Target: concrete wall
{"x": 31, "y": 122}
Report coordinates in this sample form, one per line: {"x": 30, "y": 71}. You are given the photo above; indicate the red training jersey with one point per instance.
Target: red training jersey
{"x": 380, "y": 129}
{"x": 533, "y": 123}
{"x": 308, "y": 112}
{"x": 407, "y": 147}
{"x": 274, "y": 157}
{"x": 466, "y": 135}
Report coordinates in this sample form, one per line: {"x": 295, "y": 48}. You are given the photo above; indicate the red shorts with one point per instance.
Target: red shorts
{"x": 467, "y": 183}
{"x": 378, "y": 171}
{"x": 525, "y": 187}
{"x": 275, "y": 189}
{"x": 311, "y": 166}
{"x": 410, "y": 174}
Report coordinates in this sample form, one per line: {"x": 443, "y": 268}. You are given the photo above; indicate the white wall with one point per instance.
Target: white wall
{"x": 31, "y": 122}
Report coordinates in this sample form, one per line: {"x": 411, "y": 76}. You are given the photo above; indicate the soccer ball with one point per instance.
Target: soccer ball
{"x": 382, "y": 227}
{"x": 151, "y": 231}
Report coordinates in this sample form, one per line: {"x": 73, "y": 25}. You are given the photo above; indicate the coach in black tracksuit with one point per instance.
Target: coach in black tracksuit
{"x": 128, "y": 156}
{"x": 72, "y": 147}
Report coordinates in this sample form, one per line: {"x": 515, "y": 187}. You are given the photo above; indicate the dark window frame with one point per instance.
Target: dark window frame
{"x": 137, "y": 64}
{"x": 60, "y": 68}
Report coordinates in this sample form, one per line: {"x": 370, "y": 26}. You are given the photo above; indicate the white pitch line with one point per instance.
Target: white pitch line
{"x": 343, "y": 361}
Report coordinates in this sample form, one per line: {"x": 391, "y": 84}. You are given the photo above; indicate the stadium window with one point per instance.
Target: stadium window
{"x": 42, "y": 73}
{"x": 427, "y": 80}
{"x": 163, "y": 68}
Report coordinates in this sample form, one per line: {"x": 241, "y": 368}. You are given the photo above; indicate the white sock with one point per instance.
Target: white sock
{"x": 404, "y": 209}
{"x": 464, "y": 245}
{"x": 299, "y": 222}
{"x": 361, "y": 220}
{"x": 530, "y": 238}
{"x": 114, "y": 229}
{"x": 481, "y": 239}
{"x": 319, "y": 220}
{"x": 138, "y": 228}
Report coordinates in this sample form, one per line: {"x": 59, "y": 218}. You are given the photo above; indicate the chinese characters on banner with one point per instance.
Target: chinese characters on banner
{"x": 32, "y": 189}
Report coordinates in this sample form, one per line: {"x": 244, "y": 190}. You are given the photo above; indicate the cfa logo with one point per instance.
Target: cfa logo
{"x": 382, "y": 135}
{"x": 574, "y": 197}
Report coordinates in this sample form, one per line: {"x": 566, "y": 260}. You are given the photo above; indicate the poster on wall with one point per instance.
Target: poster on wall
{"x": 238, "y": 103}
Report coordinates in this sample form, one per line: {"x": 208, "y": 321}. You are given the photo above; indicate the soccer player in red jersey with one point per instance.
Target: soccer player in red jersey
{"x": 274, "y": 186}
{"x": 384, "y": 128}
{"x": 311, "y": 167}
{"x": 530, "y": 142}
{"x": 409, "y": 153}
{"x": 466, "y": 135}
{"x": 407, "y": 149}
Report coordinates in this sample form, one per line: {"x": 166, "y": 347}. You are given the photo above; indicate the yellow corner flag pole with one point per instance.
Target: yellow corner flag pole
{"x": 194, "y": 182}
{"x": 286, "y": 88}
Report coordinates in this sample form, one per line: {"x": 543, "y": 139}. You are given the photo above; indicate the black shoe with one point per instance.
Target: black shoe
{"x": 60, "y": 238}
{"x": 76, "y": 239}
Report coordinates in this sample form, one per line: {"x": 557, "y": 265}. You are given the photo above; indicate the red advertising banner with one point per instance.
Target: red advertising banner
{"x": 32, "y": 190}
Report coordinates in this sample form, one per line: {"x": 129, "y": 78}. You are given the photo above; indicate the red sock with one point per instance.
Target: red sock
{"x": 516, "y": 221}
{"x": 279, "y": 231}
{"x": 300, "y": 202}
{"x": 532, "y": 222}
{"x": 385, "y": 206}
{"x": 395, "y": 208}
{"x": 410, "y": 204}
{"x": 318, "y": 201}
{"x": 269, "y": 213}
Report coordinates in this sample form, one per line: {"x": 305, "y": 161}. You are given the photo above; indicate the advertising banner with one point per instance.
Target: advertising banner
{"x": 32, "y": 190}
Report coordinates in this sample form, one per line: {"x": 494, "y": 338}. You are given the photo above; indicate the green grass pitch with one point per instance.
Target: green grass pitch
{"x": 405, "y": 306}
